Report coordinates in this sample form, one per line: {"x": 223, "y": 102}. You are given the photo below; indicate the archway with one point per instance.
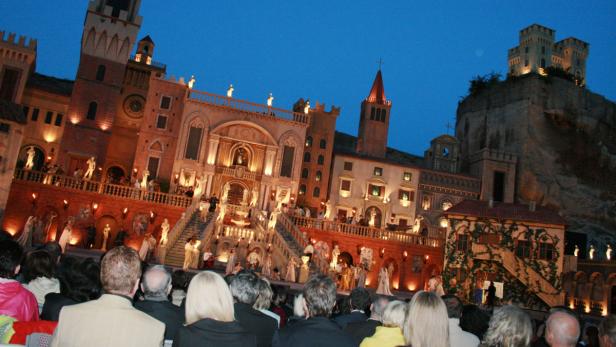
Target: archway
{"x": 345, "y": 257}
{"x": 115, "y": 174}
{"x": 378, "y": 216}
{"x": 236, "y": 194}
{"x": 38, "y": 160}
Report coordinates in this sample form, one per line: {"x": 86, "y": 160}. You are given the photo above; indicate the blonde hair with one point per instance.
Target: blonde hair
{"x": 120, "y": 270}
{"x": 509, "y": 327}
{"x": 209, "y": 297}
{"x": 394, "y": 314}
{"x": 427, "y": 323}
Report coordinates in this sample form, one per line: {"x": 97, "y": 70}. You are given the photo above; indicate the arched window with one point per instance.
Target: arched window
{"x": 91, "y": 115}
{"x": 194, "y": 143}
{"x": 100, "y": 73}
{"x": 302, "y": 189}
{"x": 316, "y": 192}
{"x": 307, "y": 157}
{"x": 321, "y": 160}
{"x": 322, "y": 143}
{"x": 318, "y": 176}
{"x": 309, "y": 141}
{"x": 304, "y": 173}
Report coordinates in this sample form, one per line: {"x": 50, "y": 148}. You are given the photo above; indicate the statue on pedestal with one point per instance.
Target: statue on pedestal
{"x": 271, "y": 224}
{"x": 335, "y": 254}
{"x": 372, "y": 220}
{"x": 164, "y": 231}
{"x": 328, "y": 210}
{"x": 30, "y": 159}
{"x": 608, "y": 253}
{"x": 144, "y": 180}
{"x": 270, "y": 100}
{"x": 191, "y": 82}
{"x": 591, "y": 252}
{"x": 417, "y": 224}
{"x": 576, "y": 251}
{"x": 200, "y": 186}
{"x": 106, "y": 231}
{"x": 230, "y": 91}
{"x": 254, "y": 197}
{"x": 91, "y": 167}
{"x": 225, "y": 193}
{"x": 307, "y": 107}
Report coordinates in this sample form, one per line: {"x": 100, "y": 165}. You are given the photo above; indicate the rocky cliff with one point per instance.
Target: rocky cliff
{"x": 565, "y": 139}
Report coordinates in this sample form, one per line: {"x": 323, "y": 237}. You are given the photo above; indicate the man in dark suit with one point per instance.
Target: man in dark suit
{"x": 156, "y": 286}
{"x": 317, "y": 329}
{"x": 359, "y": 300}
{"x": 360, "y": 330}
{"x": 244, "y": 288}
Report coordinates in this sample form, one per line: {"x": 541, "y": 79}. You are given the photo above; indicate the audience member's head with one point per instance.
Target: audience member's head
{"x": 4, "y": 235}
{"x": 394, "y": 314}
{"x": 280, "y": 295}
{"x": 607, "y": 331}
{"x": 38, "y": 264}
{"x": 591, "y": 336}
{"x": 298, "y": 306}
{"x": 426, "y": 323}
{"x": 10, "y": 258}
{"x": 320, "y": 296}
{"x": 156, "y": 283}
{"x": 378, "y": 307}
{"x": 562, "y": 330}
{"x": 474, "y": 320}
{"x": 79, "y": 279}
{"x": 264, "y": 299}
{"x": 359, "y": 299}
{"x": 209, "y": 297}
{"x": 454, "y": 306}
{"x": 54, "y": 249}
{"x": 509, "y": 327}
{"x": 120, "y": 271}
{"x": 245, "y": 287}
{"x": 179, "y": 280}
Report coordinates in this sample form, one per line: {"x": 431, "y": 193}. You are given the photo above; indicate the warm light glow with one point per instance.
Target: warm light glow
{"x": 345, "y": 193}
{"x": 11, "y": 231}
{"x": 367, "y": 282}
{"x": 395, "y": 285}
{"x": 74, "y": 241}
{"x": 405, "y": 254}
{"x": 65, "y": 202}
{"x": 444, "y": 223}
{"x": 604, "y": 310}
{"x": 74, "y": 120}
{"x": 586, "y": 308}
{"x": 151, "y": 214}
{"x": 571, "y": 305}
{"x": 125, "y": 210}
{"x": 104, "y": 127}
{"x": 34, "y": 196}
{"x": 135, "y": 170}
{"x": 95, "y": 206}
{"x": 48, "y": 136}
{"x": 411, "y": 287}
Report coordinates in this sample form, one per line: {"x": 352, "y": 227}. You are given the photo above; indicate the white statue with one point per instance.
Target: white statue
{"x": 270, "y": 100}
{"x": 271, "y": 224}
{"x": 608, "y": 252}
{"x": 254, "y": 197}
{"x": 164, "y": 231}
{"x": 230, "y": 91}
{"x": 591, "y": 252}
{"x": 225, "y": 193}
{"x": 291, "y": 265}
{"x": 25, "y": 239}
{"x": 307, "y": 107}
{"x": 191, "y": 82}
{"x": 372, "y": 220}
{"x": 576, "y": 251}
{"x": 66, "y": 236}
{"x": 91, "y": 167}
{"x": 200, "y": 186}
{"x": 30, "y": 159}
{"x": 335, "y": 254}
{"x": 245, "y": 196}
{"x": 328, "y": 210}
{"x": 384, "y": 277}
{"x": 221, "y": 214}
{"x": 191, "y": 253}
{"x": 144, "y": 180}
{"x": 106, "y": 231}
{"x": 417, "y": 224}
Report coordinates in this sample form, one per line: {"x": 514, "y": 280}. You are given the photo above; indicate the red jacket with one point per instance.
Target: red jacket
{"x": 17, "y": 302}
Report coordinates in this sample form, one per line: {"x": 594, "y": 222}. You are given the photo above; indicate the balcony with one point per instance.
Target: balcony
{"x": 238, "y": 171}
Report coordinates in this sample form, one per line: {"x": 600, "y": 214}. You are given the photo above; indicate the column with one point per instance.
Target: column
{"x": 270, "y": 157}
{"x": 212, "y": 149}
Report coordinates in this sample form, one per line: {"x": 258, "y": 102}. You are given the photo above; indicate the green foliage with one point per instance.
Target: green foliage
{"x": 480, "y": 83}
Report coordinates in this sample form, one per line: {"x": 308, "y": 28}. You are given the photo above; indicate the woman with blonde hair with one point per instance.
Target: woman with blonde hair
{"x": 509, "y": 327}
{"x": 427, "y": 323}
{"x": 210, "y": 317}
{"x": 390, "y": 333}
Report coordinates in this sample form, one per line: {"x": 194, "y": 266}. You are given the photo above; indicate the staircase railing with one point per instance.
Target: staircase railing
{"x": 177, "y": 230}
{"x": 208, "y": 232}
{"x": 271, "y": 237}
{"x": 291, "y": 228}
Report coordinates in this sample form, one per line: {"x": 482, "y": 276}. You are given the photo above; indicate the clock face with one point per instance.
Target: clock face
{"x": 133, "y": 106}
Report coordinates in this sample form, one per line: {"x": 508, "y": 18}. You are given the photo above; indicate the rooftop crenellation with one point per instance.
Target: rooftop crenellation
{"x": 21, "y": 42}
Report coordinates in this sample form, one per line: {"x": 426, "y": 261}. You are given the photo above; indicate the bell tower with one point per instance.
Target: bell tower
{"x": 374, "y": 121}
{"x": 109, "y": 34}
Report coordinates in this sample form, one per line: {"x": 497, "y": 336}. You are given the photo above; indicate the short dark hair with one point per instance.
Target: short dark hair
{"x": 454, "y": 305}
{"x": 179, "y": 280}
{"x": 54, "y": 250}
{"x": 79, "y": 279}
{"x": 10, "y": 258}
{"x": 474, "y": 320}
{"x": 360, "y": 299}
{"x": 39, "y": 264}
{"x": 320, "y": 295}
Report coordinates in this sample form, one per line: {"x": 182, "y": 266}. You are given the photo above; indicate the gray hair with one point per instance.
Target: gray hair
{"x": 563, "y": 328}
{"x": 264, "y": 299}
{"x": 320, "y": 295}
{"x": 395, "y": 313}
{"x": 245, "y": 287}
{"x": 509, "y": 327}
{"x": 156, "y": 282}
{"x": 378, "y": 307}
{"x": 607, "y": 329}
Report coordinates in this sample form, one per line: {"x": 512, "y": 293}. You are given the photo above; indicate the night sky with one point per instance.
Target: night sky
{"x": 327, "y": 51}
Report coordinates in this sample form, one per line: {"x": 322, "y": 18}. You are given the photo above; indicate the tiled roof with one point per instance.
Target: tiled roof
{"x": 505, "y": 211}
{"x": 10, "y": 111}
{"x": 50, "y": 84}
{"x": 345, "y": 144}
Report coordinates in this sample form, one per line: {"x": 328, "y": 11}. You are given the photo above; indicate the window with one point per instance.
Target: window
{"x": 375, "y": 190}
{"x": 381, "y": 117}
{"x": 525, "y": 62}
{"x": 307, "y": 157}
{"x": 498, "y": 186}
{"x": 309, "y": 141}
{"x": 542, "y": 49}
{"x": 522, "y": 249}
{"x": 316, "y": 192}
{"x": 526, "y": 49}
{"x": 321, "y": 160}
{"x": 304, "y": 173}
{"x": 193, "y": 143}
{"x": 378, "y": 171}
{"x": 48, "y": 117}
{"x": 404, "y": 195}
{"x": 345, "y": 185}
{"x": 165, "y": 102}
{"x": 91, "y": 115}
{"x": 407, "y": 176}
{"x": 348, "y": 166}
{"x": 542, "y": 63}
{"x": 8, "y": 86}
{"x": 100, "y": 73}
{"x": 462, "y": 243}
{"x": 302, "y": 189}
{"x": 153, "y": 167}
{"x": 26, "y": 110}
{"x": 58, "y": 121}
{"x": 372, "y": 113}
{"x": 35, "y": 113}
{"x": 161, "y": 121}
{"x": 5, "y": 128}
{"x": 286, "y": 169}
{"x": 323, "y": 144}
{"x": 318, "y": 176}
{"x": 546, "y": 251}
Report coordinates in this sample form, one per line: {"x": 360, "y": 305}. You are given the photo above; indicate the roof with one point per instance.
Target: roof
{"x": 377, "y": 92}
{"x": 147, "y": 38}
{"x": 10, "y": 111}
{"x": 50, "y": 84}
{"x": 346, "y": 144}
{"x": 506, "y": 211}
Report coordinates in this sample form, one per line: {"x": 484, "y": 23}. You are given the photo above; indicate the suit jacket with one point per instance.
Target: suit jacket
{"x": 354, "y": 316}
{"x": 209, "y": 332}
{"x": 164, "y": 311}
{"x": 360, "y": 330}
{"x": 109, "y": 321}
{"x": 315, "y": 331}
{"x": 53, "y": 304}
{"x": 257, "y": 323}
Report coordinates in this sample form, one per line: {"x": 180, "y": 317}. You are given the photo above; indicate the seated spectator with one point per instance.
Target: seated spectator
{"x": 210, "y": 316}
{"x": 299, "y": 313}
{"x": 278, "y": 304}
{"x": 457, "y": 336}
{"x": 264, "y": 300}
{"x": 591, "y": 336}
{"x": 15, "y": 300}
{"x": 359, "y": 300}
{"x": 508, "y": 327}
{"x": 39, "y": 276}
{"x": 245, "y": 290}
{"x": 179, "y": 283}
{"x": 562, "y": 329}
{"x": 360, "y": 330}
{"x": 317, "y": 329}
{"x": 79, "y": 282}
{"x": 426, "y": 323}
{"x": 54, "y": 250}
{"x": 474, "y": 320}
{"x": 156, "y": 286}
{"x": 607, "y": 332}
{"x": 390, "y": 334}
{"x": 111, "y": 320}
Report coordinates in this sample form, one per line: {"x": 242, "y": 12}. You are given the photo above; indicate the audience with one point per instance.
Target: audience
{"x": 15, "y": 300}
{"x": 359, "y": 300}
{"x": 426, "y": 323}
{"x": 39, "y": 276}
{"x": 474, "y": 320}
{"x": 508, "y": 327}
{"x": 279, "y": 306}
{"x": 457, "y": 336}
{"x": 562, "y": 329}
{"x": 360, "y": 330}
{"x": 390, "y": 334}
{"x": 319, "y": 297}
{"x": 607, "y": 332}
{"x": 245, "y": 289}
{"x": 179, "y": 283}
{"x": 156, "y": 286}
{"x": 264, "y": 300}
{"x": 591, "y": 336}
{"x": 210, "y": 316}
{"x": 111, "y": 320}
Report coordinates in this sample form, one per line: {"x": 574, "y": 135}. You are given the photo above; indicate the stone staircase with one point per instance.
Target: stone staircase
{"x": 294, "y": 239}
{"x": 195, "y": 227}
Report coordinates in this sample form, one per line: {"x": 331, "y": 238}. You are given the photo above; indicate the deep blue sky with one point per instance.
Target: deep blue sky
{"x": 327, "y": 50}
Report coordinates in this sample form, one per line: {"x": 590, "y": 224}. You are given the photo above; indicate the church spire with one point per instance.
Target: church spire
{"x": 377, "y": 92}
